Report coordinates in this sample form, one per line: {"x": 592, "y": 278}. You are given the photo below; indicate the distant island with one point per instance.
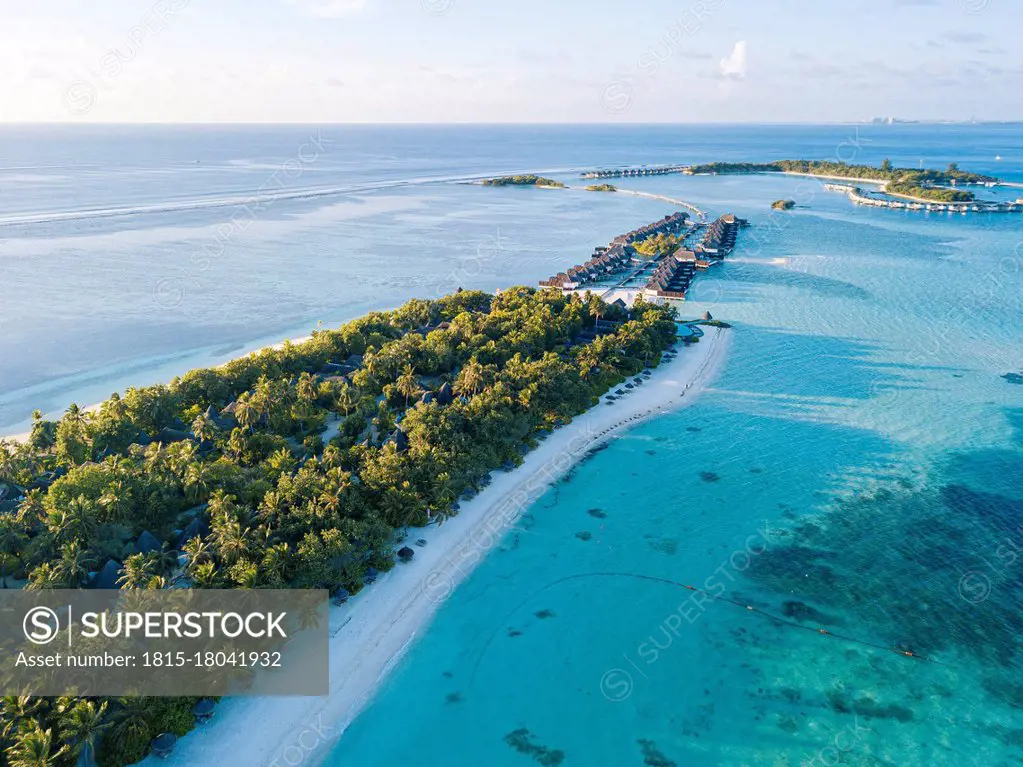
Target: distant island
{"x": 926, "y": 185}
{"x": 601, "y": 188}
{"x": 526, "y": 180}
{"x": 783, "y": 204}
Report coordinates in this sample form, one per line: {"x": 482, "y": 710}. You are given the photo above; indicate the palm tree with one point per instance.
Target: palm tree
{"x": 75, "y": 415}
{"x": 35, "y": 748}
{"x": 12, "y": 543}
{"x": 116, "y": 502}
{"x": 44, "y": 577}
{"x": 82, "y": 726}
{"x": 44, "y": 433}
{"x": 131, "y": 724}
{"x": 74, "y": 565}
{"x": 306, "y": 388}
{"x": 156, "y": 583}
{"x": 408, "y": 385}
{"x": 139, "y": 569}
{"x": 204, "y": 428}
{"x": 588, "y": 359}
{"x": 330, "y": 500}
{"x": 166, "y": 559}
{"x": 197, "y": 480}
{"x": 246, "y": 412}
{"x": 9, "y": 465}
{"x": 198, "y": 551}
{"x": 596, "y": 307}
{"x": 470, "y": 379}
{"x": 31, "y": 511}
{"x": 204, "y": 575}
{"x": 396, "y": 508}
{"x": 231, "y": 541}
{"x": 237, "y": 443}
{"x": 271, "y": 508}
{"x": 181, "y": 455}
{"x": 445, "y": 490}
{"x": 332, "y": 457}
{"x": 275, "y": 565}
{"x": 16, "y": 711}
{"x": 75, "y": 523}
{"x": 347, "y": 399}
{"x": 156, "y": 459}
{"x": 222, "y": 506}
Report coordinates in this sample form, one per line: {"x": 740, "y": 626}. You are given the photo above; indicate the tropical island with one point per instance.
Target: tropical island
{"x": 930, "y": 185}
{"x": 526, "y": 180}
{"x": 300, "y": 466}
{"x": 601, "y": 188}
{"x": 783, "y": 204}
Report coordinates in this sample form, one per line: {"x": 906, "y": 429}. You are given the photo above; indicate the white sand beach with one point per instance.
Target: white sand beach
{"x": 372, "y": 631}
{"x": 852, "y": 179}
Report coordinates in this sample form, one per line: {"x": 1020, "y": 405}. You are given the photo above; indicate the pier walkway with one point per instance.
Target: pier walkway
{"x": 644, "y": 170}
{"x": 857, "y": 195}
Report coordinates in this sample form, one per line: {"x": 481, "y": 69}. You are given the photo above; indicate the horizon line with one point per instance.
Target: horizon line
{"x": 666, "y": 123}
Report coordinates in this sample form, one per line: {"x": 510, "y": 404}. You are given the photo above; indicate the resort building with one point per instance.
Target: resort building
{"x": 615, "y": 257}
{"x": 645, "y": 170}
{"x": 719, "y": 239}
{"x": 672, "y": 277}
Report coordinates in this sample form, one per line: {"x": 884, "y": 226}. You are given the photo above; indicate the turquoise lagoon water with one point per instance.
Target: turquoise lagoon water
{"x": 856, "y": 467}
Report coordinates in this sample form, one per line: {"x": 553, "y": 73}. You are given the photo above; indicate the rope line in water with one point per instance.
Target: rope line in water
{"x": 822, "y": 631}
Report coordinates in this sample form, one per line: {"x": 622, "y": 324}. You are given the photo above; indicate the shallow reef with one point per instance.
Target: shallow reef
{"x": 652, "y": 756}
{"x": 522, "y": 740}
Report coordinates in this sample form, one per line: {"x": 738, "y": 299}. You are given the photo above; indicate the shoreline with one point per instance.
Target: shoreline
{"x": 879, "y": 182}
{"x": 95, "y": 406}
{"x": 373, "y": 631}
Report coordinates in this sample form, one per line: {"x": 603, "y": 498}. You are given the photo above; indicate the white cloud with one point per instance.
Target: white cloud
{"x": 734, "y": 67}
{"x": 330, "y": 9}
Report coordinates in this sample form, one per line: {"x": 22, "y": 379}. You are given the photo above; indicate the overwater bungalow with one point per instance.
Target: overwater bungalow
{"x": 720, "y": 236}
{"x": 616, "y": 257}
{"x": 644, "y": 170}
{"x": 672, "y": 277}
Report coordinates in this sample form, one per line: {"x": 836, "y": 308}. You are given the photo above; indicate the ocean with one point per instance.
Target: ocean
{"x": 858, "y": 467}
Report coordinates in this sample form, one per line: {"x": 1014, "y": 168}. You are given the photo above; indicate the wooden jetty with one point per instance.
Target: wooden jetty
{"x": 643, "y": 170}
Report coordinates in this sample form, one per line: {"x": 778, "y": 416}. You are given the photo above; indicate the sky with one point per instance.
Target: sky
{"x": 528, "y": 61}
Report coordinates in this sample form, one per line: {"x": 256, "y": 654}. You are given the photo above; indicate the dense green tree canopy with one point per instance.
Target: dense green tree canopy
{"x": 293, "y": 467}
